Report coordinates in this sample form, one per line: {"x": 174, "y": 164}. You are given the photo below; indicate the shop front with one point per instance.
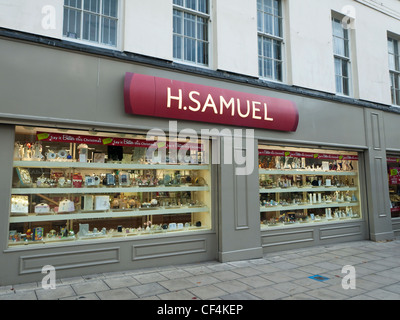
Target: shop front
{"x": 114, "y": 165}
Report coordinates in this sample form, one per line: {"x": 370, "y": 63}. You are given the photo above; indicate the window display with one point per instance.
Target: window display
{"x": 300, "y": 186}
{"x": 71, "y": 185}
{"x": 393, "y": 164}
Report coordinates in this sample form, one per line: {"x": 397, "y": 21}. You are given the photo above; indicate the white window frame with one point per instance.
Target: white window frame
{"x": 200, "y": 14}
{"x": 119, "y": 19}
{"x": 343, "y": 59}
{"x": 262, "y": 35}
{"x": 394, "y": 72}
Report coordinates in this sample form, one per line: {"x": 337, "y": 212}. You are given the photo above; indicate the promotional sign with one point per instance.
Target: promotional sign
{"x": 394, "y": 175}
{"x": 308, "y": 155}
{"x": 123, "y": 142}
{"x": 165, "y": 98}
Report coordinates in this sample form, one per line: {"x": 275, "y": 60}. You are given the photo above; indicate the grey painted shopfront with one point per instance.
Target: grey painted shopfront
{"x": 48, "y": 85}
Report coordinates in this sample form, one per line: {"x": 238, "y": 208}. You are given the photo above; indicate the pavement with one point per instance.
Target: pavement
{"x": 277, "y": 276}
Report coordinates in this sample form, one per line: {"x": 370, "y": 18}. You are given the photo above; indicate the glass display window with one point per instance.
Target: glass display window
{"x": 72, "y": 185}
{"x": 393, "y": 165}
{"x": 302, "y": 186}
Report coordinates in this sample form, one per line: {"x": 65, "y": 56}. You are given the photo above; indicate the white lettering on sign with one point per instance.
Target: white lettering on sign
{"x": 255, "y": 109}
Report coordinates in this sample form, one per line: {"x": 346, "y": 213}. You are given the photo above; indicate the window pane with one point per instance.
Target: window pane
{"x": 190, "y": 49}
{"x": 203, "y": 6}
{"x": 268, "y": 23}
{"x": 72, "y": 23}
{"x": 177, "y": 47}
{"x": 178, "y": 2}
{"x": 191, "y": 4}
{"x": 110, "y": 8}
{"x": 202, "y": 52}
{"x": 278, "y": 71}
{"x": 190, "y": 25}
{"x": 267, "y": 68}
{"x": 177, "y": 23}
{"x": 90, "y": 27}
{"x": 267, "y": 48}
{"x": 337, "y": 28}
{"x": 268, "y": 6}
{"x": 92, "y": 5}
{"x": 202, "y": 30}
{"x": 109, "y": 31}
{"x": 73, "y": 3}
{"x": 277, "y": 50}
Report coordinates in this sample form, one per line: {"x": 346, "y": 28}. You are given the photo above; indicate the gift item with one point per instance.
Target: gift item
{"x": 83, "y": 152}
{"x": 92, "y": 181}
{"x": 123, "y": 179}
{"x": 99, "y": 157}
{"x": 109, "y": 180}
{"x": 102, "y": 202}
{"x": 83, "y": 229}
{"x": 19, "y": 205}
{"x": 24, "y": 177}
{"x": 42, "y": 208}
{"x": 87, "y": 202}
{"x": 37, "y": 234}
{"x": 66, "y": 206}
{"x": 77, "y": 180}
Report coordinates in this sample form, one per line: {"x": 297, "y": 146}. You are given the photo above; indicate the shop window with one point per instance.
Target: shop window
{"x": 95, "y": 21}
{"x": 306, "y": 186}
{"x": 191, "y": 31}
{"x": 270, "y": 39}
{"x": 71, "y": 185}
{"x": 393, "y": 164}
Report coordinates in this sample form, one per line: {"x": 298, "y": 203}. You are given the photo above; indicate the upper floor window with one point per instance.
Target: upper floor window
{"x": 190, "y": 31}
{"x": 270, "y": 39}
{"x": 394, "y": 69}
{"x": 341, "y": 52}
{"x": 95, "y": 21}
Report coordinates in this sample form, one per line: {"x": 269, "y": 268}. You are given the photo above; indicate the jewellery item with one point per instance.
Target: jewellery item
{"x": 62, "y": 154}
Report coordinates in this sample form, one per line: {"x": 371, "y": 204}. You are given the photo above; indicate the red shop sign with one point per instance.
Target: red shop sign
{"x": 158, "y": 97}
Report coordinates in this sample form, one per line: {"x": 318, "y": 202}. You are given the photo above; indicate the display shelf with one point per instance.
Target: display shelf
{"x": 107, "y": 214}
{"x": 102, "y": 190}
{"x": 306, "y": 189}
{"x": 307, "y": 172}
{"x": 108, "y": 166}
{"x": 115, "y": 236}
{"x": 308, "y": 206}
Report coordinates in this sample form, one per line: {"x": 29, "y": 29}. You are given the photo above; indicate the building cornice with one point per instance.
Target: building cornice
{"x": 381, "y": 8}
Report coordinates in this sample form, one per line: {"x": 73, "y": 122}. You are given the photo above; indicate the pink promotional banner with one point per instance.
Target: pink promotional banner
{"x": 165, "y": 98}
{"x": 308, "y": 155}
{"x": 110, "y": 141}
